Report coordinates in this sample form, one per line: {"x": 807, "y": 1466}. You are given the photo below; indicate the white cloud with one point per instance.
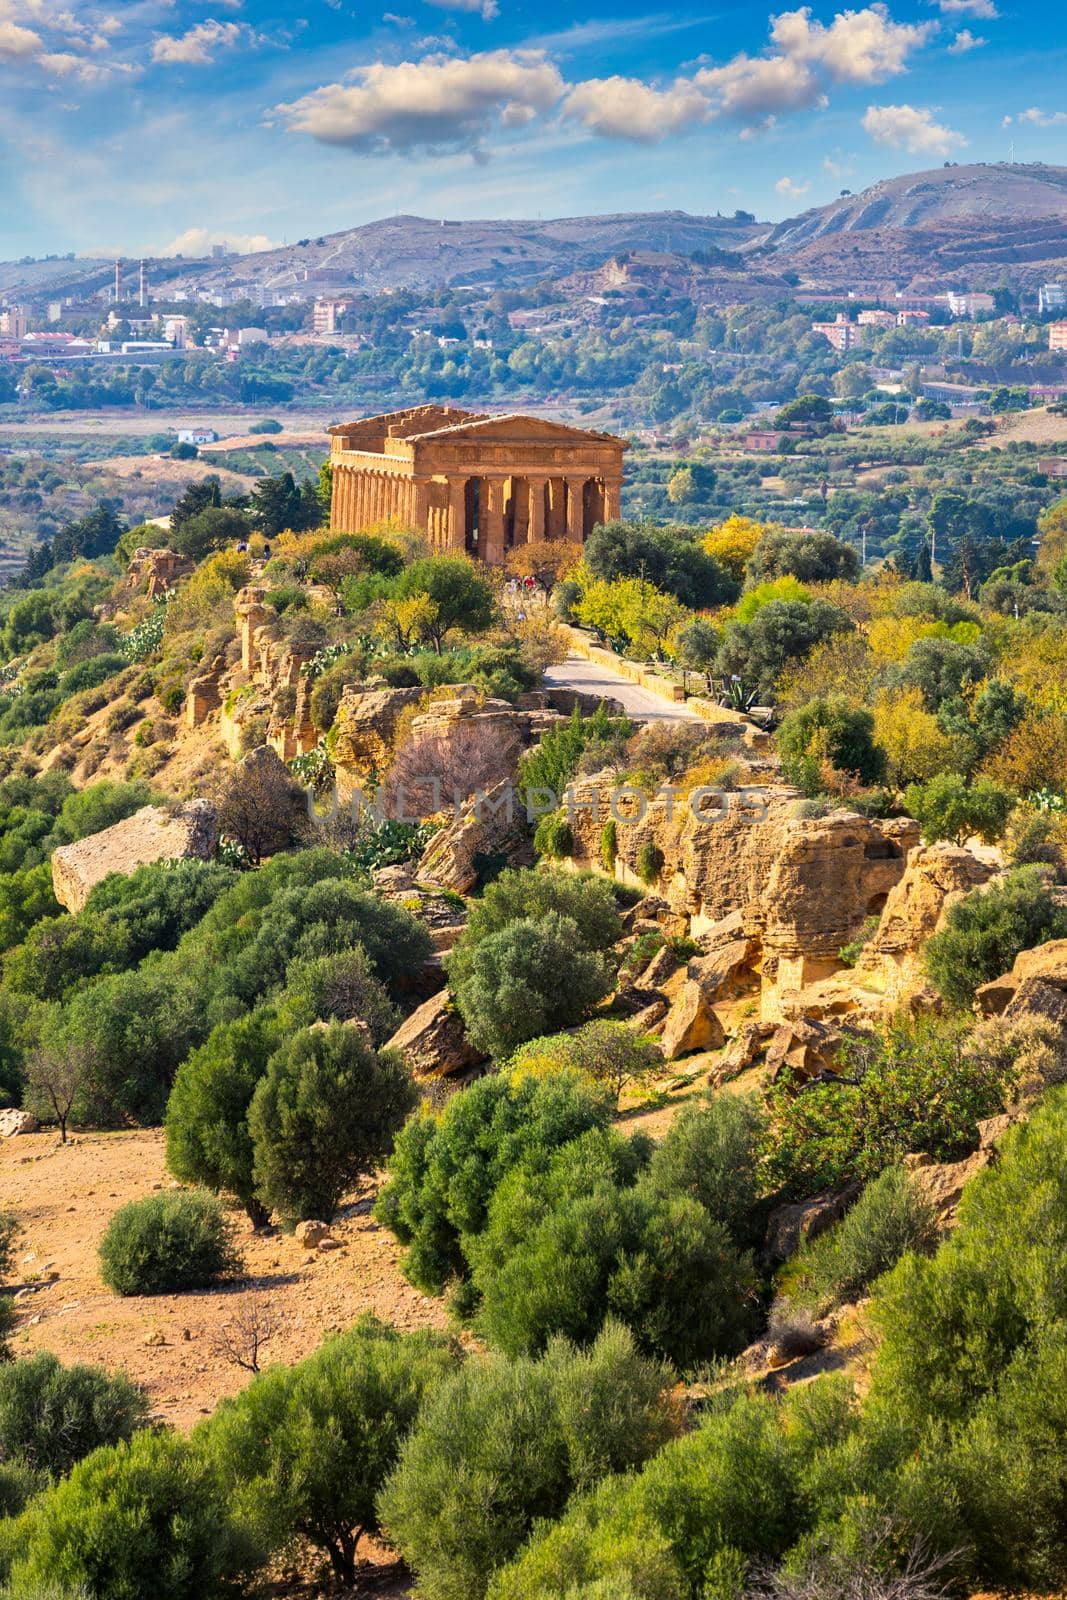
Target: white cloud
{"x": 857, "y": 47}
{"x": 911, "y": 128}
{"x": 985, "y": 9}
{"x": 626, "y": 108}
{"x": 198, "y": 242}
{"x": 197, "y": 48}
{"x": 759, "y": 86}
{"x": 435, "y": 105}
{"x": 487, "y": 9}
{"x": 1042, "y": 119}
{"x": 837, "y": 168}
{"x": 791, "y": 190}
{"x": 965, "y": 40}
{"x": 18, "y": 43}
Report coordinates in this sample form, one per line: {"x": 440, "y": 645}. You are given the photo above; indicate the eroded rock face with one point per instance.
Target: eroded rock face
{"x": 763, "y": 890}
{"x": 433, "y": 1040}
{"x": 157, "y": 570}
{"x": 790, "y": 1226}
{"x": 936, "y": 876}
{"x": 151, "y": 834}
{"x": 363, "y": 734}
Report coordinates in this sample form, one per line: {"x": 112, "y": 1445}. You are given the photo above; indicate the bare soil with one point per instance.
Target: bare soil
{"x": 64, "y": 1196}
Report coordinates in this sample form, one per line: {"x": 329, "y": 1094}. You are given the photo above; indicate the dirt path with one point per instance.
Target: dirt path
{"x": 63, "y": 1198}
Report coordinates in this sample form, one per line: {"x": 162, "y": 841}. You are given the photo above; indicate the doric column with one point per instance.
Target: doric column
{"x": 457, "y": 513}
{"x": 336, "y": 498}
{"x": 556, "y": 517}
{"x": 612, "y": 500}
{"x": 575, "y": 509}
{"x": 492, "y": 546}
{"x": 359, "y": 510}
{"x": 537, "y": 509}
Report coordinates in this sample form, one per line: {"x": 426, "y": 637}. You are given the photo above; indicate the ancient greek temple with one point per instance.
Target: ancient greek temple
{"x": 472, "y": 482}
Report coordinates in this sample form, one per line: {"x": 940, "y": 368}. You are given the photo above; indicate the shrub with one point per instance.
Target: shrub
{"x": 532, "y": 977}
{"x": 150, "y": 1506}
{"x": 829, "y": 730}
{"x": 323, "y": 1116}
{"x": 167, "y": 1243}
{"x": 912, "y": 1087}
{"x": 340, "y": 988}
{"x": 949, "y": 808}
{"x": 554, "y": 836}
{"x": 890, "y": 1217}
{"x": 712, "y": 1153}
{"x": 609, "y": 846}
{"x": 607, "y": 1052}
{"x": 554, "y": 761}
{"x": 304, "y": 1450}
{"x": 445, "y": 1168}
{"x": 649, "y": 861}
{"x": 569, "y": 1242}
{"x": 207, "y": 1135}
{"x": 985, "y": 931}
{"x": 501, "y": 1444}
{"x": 51, "y": 1416}
{"x": 700, "y": 1509}
{"x": 586, "y": 900}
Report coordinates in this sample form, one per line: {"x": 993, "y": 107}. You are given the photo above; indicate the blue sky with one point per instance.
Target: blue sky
{"x": 161, "y": 125}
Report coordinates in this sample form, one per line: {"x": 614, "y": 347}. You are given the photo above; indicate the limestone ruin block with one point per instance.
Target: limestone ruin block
{"x": 151, "y": 834}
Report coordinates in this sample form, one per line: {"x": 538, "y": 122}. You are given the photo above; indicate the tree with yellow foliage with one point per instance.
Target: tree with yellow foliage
{"x": 734, "y": 540}
{"x": 916, "y": 749}
{"x": 1052, "y": 526}
{"x": 1033, "y": 756}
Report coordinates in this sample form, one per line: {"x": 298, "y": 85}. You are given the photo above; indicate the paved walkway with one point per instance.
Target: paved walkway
{"x": 591, "y": 678}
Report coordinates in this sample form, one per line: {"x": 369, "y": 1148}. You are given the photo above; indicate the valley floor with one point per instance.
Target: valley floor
{"x": 64, "y": 1197}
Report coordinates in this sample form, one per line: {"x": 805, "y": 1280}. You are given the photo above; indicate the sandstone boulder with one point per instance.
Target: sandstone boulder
{"x": 790, "y": 1226}
{"x": 151, "y": 834}
{"x": 312, "y": 1235}
{"x": 494, "y": 827}
{"x": 14, "y": 1122}
{"x": 806, "y": 1046}
{"x": 742, "y": 1050}
{"x": 691, "y": 1024}
{"x": 725, "y": 968}
{"x": 433, "y": 1040}
{"x": 1034, "y": 976}
{"x": 664, "y": 965}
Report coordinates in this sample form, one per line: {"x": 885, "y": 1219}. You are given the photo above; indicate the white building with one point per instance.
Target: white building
{"x": 1051, "y": 297}
{"x": 197, "y": 436}
{"x": 970, "y": 305}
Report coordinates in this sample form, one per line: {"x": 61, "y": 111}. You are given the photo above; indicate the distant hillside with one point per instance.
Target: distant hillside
{"x": 965, "y": 224}
{"x": 420, "y": 252}
{"x": 962, "y": 222}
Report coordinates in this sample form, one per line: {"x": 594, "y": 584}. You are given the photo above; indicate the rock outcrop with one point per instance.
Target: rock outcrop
{"x": 151, "y": 834}
{"x": 935, "y": 877}
{"x": 774, "y": 895}
{"x": 363, "y": 733}
{"x": 157, "y": 571}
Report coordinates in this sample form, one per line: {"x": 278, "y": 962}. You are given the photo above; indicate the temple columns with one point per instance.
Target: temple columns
{"x": 537, "y": 509}
{"x": 492, "y": 546}
{"x": 575, "y": 509}
{"x": 612, "y": 501}
{"x": 457, "y": 513}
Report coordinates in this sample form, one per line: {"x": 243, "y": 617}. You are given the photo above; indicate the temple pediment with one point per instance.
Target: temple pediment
{"x": 514, "y": 428}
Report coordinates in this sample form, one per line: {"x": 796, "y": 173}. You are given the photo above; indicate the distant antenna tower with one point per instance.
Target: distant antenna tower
{"x": 118, "y": 281}
{"x": 142, "y": 285}
{"x": 1011, "y": 153}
